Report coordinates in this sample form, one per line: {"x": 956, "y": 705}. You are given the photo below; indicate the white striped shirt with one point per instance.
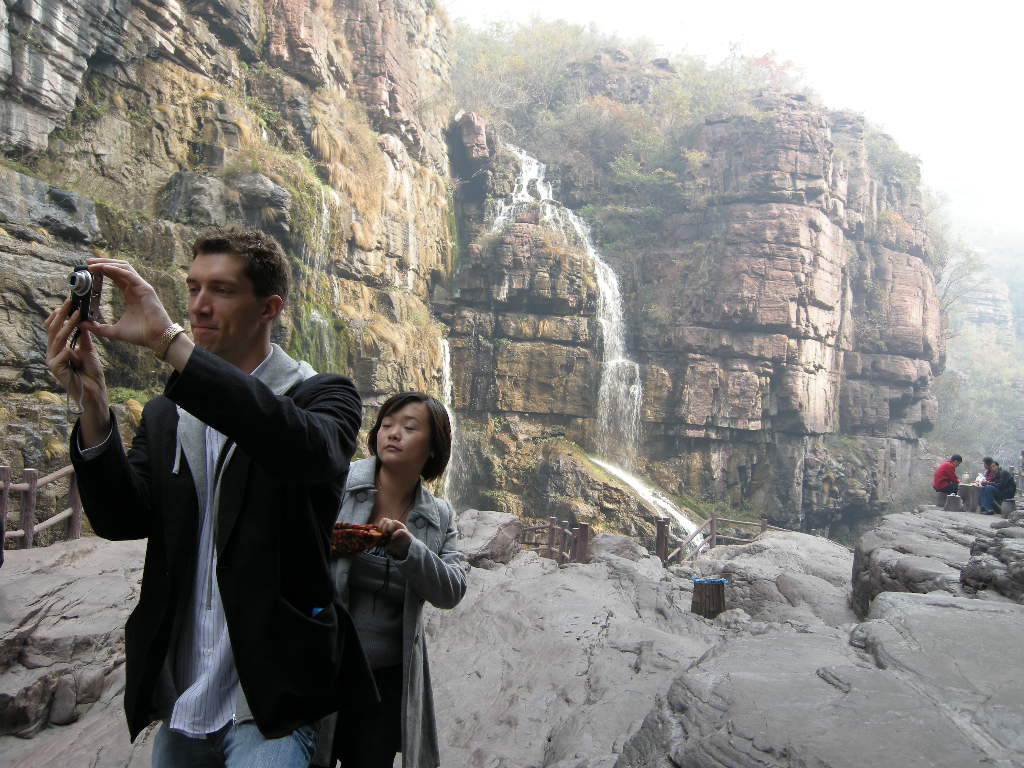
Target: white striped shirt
{"x": 204, "y": 667}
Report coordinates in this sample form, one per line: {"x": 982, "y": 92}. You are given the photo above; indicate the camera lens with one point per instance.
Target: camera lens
{"x": 81, "y": 282}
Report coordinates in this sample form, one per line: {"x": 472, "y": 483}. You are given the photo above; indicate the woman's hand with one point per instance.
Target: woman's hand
{"x": 399, "y": 538}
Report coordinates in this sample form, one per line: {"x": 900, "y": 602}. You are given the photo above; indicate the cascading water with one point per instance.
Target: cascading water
{"x": 411, "y": 241}
{"x": 654, "y": 497}
{"x": 316, "y": 250}
{"x": 454, "y": 476}
{"x": 620, "y": 391}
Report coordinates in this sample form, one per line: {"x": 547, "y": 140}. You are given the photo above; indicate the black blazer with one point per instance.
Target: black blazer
{"x": 278, "y": 500}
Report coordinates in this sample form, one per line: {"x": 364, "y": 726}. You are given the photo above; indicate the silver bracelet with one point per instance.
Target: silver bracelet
{"x": 171, "y": 332}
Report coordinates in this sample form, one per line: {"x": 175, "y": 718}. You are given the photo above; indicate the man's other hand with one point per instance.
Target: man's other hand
{"x": 144, "y": 318}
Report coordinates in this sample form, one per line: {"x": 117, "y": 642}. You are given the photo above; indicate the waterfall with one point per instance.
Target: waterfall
{"x": 412, "y": 244}
{"x": 620, "y": 391}
{"x": 316, "y": 249}
{"x": 453, "y": 485}
{"x": 654, "y": 497}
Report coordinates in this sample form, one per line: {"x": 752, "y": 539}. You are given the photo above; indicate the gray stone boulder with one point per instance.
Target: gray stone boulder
{"x": 908, "y": 688}
{"x": 62, "y": 615}
{"x": 29, "y": 208}
{"x": 487, "y": 537}
{"x": 920, "y": 552}
{"x": 191, "y": 198}
{"x": 557, "y": 665}
{"x": 997, "y": 561}
{"x": 785, "y": 577}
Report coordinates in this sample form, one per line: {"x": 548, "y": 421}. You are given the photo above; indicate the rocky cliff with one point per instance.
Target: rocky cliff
{"x": 777, "y": 329}
{"x": 783, "y": 314}
{"x": 127, "y": 126}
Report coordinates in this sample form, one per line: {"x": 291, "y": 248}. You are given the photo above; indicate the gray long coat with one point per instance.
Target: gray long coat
{"x": 434, "y": 572}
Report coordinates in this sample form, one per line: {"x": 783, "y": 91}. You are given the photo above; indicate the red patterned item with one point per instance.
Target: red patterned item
{"x": 350, "y": 539}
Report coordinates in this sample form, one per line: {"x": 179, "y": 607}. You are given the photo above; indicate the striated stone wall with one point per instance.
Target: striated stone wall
{"x": 129, "y": 126}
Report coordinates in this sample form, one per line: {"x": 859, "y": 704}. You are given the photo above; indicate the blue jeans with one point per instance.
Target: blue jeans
{"x": 236, "y": 745}
{"x": 989, "y": 497}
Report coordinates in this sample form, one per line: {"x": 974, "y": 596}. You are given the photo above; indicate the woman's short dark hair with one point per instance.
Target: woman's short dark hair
{"x": 440, "y": 430}
{"x": 956, "y": 457}
{"x": 265, "y": 262}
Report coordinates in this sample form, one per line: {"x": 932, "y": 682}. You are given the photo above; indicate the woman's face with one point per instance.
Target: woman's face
{"x": 403, "y": 440}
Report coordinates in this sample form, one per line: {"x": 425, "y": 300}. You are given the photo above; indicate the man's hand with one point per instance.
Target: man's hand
{"x": 79, "y": 371}
{"x": 144, "y": 318}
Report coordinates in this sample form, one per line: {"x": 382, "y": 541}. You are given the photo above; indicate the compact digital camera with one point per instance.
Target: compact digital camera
{"x": 86, "y": 293}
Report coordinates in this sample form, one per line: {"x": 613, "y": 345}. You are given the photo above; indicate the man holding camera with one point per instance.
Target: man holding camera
{"x": 234, "y": 476}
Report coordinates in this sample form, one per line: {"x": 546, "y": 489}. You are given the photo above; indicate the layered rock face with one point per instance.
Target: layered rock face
{"x": 784, "y": 315}
{"x": 129, "y": 127}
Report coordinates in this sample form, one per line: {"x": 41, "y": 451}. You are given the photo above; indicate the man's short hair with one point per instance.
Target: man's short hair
{"x": 956, "y": 457}
{"x": 266, "y": 265}
{"x": 987, "y": 460}
{"x": 440, "y": 430}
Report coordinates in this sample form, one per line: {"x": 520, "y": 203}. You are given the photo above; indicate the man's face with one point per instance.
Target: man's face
{"x": 227, "y": 317}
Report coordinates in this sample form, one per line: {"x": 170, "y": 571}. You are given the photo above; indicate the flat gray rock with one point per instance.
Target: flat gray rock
{"x": 488, "y": 537}
{"x": 62, "y": 615}
{"x": 785, "y": 577}
{"x": 923, "y": 552}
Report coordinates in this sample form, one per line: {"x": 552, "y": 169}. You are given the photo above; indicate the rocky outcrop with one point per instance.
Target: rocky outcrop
{"x": 933, "y": 551}
{"x": 128, "y": 126}
{"x": 62, "y": 654}
{"x": 997, "y": 559}
{"x": 599, "y": 665}
{"x": 783, "y": 311}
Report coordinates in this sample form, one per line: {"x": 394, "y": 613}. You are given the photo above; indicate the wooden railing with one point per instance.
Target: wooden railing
{"x": 557, "y": 540}
{"x": 29, "y": 489}
{"x": 712, "y": 536}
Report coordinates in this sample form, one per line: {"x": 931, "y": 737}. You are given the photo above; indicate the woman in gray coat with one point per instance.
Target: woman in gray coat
{"x": 384, "y": 589}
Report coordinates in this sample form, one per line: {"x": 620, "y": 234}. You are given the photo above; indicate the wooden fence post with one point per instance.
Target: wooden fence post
{"x": 584, "y": 547}
{"x": 764, "y": 525}
{"x": 75, "y": 521}
{"x": 574, "y": 545}
{"x": 552, "y": 526}
{"x": 28, "y": 506}
{"x": 661, "y": 538}
{"x": 713, "y": 531}
{"x": 563, "y": 542}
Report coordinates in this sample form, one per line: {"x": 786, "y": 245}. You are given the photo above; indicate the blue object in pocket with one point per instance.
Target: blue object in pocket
{"x": 316, "y": 611}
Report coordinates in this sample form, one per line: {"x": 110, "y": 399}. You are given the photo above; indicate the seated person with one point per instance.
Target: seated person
{"x": 999, "y": 489}
{"x": 945, "y": 480}
{"x": 990, "y": 472}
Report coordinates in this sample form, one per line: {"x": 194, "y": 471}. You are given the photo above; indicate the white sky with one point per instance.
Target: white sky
{"x": 944, "y": 79}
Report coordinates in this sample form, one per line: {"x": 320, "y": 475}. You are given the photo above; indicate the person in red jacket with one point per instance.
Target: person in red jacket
{"x": 945, "y": 480}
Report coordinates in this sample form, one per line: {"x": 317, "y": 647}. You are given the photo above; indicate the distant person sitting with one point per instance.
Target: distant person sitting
{"x": 990, "y": 471}
{"x": 1001, "y": 488}
{"x": 945, "y": 480}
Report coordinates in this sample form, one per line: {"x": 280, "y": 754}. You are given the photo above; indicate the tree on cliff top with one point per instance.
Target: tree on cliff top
{"x": 543, "y": 83}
